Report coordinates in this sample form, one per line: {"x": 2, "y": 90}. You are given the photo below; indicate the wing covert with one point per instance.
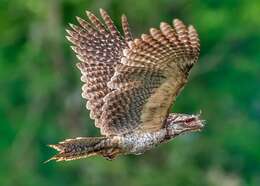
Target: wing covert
{"x": 152, "y": 72}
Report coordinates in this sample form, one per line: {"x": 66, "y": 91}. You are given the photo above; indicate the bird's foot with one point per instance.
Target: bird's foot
{"x": 111, "y": 154}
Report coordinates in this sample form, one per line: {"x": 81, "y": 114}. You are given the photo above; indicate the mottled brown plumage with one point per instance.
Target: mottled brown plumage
{"x": 130, "y": 84}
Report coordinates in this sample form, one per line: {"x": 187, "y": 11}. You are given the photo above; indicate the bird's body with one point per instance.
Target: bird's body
{"x": 130, "y": 143}
{"x": 139, "y": 142}
{"x": 130, "y": 85}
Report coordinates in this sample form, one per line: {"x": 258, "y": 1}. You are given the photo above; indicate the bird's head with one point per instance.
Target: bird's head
{"x": 177, "y": 124}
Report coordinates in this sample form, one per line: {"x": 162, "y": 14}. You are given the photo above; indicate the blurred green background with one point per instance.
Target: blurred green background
{"x": 40, "y": 100}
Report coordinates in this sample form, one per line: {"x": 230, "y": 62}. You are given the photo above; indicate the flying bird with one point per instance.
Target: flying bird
{"x": 130, "y": 85}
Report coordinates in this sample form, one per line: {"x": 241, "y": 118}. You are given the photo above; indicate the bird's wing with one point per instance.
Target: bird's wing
{"x": 151, "y": 73}
{"x": 99, "y": 47}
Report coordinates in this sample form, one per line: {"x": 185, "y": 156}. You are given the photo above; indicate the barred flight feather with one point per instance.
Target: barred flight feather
{"x": 130, "y": 84}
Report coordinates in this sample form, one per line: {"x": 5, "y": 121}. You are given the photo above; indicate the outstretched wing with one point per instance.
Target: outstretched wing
{"x": 151, "y": 73}
{"x": 99, "y": 46}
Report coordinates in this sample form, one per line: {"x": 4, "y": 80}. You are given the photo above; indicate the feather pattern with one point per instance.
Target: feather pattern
{"x": 99, "y": 48}
{"x": 130, "y": 84}
{"x": 153, "y": 70}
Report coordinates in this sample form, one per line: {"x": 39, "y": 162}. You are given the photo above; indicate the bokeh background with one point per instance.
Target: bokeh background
{"x": 40, "y": 100}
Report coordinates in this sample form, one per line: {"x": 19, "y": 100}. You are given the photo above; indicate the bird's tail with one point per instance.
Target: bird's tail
{"x": 83, "y": 147}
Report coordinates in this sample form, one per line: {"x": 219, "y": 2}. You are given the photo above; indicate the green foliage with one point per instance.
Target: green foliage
{"x": 40, "y": 99}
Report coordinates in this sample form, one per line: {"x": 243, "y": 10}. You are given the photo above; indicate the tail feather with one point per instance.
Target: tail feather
{"x": 80, "y": 147}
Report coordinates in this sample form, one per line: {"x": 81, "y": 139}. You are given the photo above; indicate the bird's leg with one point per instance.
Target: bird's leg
{"x": 111, "y": 154}
{"x": 177, "y": 124}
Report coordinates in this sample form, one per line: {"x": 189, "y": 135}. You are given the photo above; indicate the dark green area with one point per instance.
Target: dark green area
{"x": 40, "y": 100}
